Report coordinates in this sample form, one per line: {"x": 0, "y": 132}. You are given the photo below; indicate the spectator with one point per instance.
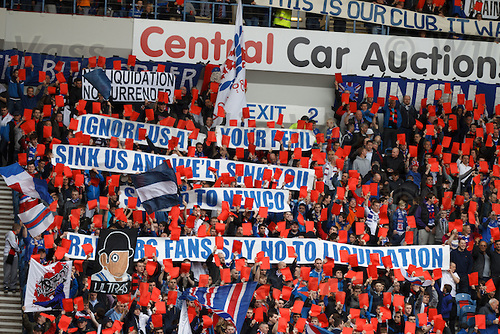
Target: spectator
{"x": 463, "y": 260}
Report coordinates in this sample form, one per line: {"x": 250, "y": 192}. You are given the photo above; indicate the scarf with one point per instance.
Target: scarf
{"x": 400, "y": 220}
{"x": 432, "y": 215}
{"x": 393, "y": 118}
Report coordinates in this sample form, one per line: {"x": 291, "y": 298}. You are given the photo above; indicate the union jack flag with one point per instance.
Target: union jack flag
{"x": 352, "y": 88}
{"x": 230, "y": 301}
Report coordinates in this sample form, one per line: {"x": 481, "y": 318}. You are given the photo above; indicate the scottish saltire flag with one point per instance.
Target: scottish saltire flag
{"x": 37, "y": 219}
{"x": 157, "y": 188}
{"x": 311, "y": 329}
{"x": 232, "y": 87}
{"x": 230, "y": 301}
{"x": 21, "y": 181}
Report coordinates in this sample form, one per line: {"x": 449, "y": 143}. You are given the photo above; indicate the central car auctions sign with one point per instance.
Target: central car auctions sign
{"x": 318, "y": 52}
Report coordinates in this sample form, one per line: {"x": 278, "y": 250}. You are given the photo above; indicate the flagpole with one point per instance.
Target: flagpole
{"x": 231, "y": 98}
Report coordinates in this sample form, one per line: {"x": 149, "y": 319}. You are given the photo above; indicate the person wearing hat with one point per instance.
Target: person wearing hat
{"x": 114, "y": 258}
{"x": 294, "y": 230}
{"x": 81, "y": 325}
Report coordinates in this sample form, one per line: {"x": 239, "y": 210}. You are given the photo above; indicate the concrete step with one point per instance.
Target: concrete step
{"x": 10, "y": 303}
{"x": 12, "y": 328}
{"x": 11, "y": 319}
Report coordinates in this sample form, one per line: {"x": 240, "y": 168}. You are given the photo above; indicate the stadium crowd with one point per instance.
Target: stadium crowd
{"x": 387, "y": 175}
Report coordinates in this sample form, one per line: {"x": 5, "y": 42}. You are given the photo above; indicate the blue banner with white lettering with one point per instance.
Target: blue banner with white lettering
{"x": 187, "y": 75}
{"x": 418, "y": 90}
{"x": 198, "y": 249}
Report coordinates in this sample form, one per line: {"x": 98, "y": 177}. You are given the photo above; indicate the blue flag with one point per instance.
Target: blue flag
{"x": 100, "y": 81}
{"x": 157, "y": 188}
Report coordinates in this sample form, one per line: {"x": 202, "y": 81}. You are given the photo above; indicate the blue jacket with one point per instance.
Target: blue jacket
{"x": 93, "y": 192}
{"x": 31, "y": 102}
{"x": 491, "y": 328}
{"x": 16, "y": 89}
{"x": 387, "y": 113}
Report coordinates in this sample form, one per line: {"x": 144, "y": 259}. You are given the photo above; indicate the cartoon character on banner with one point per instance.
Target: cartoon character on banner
{"x": 114, "y": 258}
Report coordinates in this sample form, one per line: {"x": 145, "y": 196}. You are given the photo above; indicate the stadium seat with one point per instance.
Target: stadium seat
{"x": 460, "y": 298}
{"x": 463, "y": 296}
{"x": 465, "y": 312}
{"x": 471, "y": 322}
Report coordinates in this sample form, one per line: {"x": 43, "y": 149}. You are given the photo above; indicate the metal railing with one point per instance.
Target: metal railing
{"x": 166, "y": 10}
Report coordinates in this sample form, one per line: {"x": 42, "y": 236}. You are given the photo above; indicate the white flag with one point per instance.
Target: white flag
{"x": 184, "y": 325}
{"x": 47, "y": 286}
{"x": 232, "y": 87}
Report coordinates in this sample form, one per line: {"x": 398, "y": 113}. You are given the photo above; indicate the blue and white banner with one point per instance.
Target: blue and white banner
{"x": 198, "y": 249}
{"x": 107, "y": 127}
{"x": 374, "y": 13}
{"x": 185, "y": 74}
{"x": 266, "y": 112}
{"x": 130, "y": 86}
{"x": 212, "y": 198}
{"x": 418, "y": 90}
{"x": 264, "y": 138}
{"x": 131, "y": 162}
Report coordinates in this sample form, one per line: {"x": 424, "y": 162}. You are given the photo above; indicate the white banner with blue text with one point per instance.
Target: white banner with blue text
{"x": 371, "y": 12}
{"x": 212, "y": 198}
{"x": 107, "y": 127}
{"x": 264, "y": 138}
{"x": 198, "y": 249}
{"x": 131, "y": 162}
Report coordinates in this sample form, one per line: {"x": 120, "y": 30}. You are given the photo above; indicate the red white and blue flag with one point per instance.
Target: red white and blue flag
{"x": 232, "y": 88}
{"x": 311, "y": 329}
{"x": 26, "y": 203}
{"x": 230, "y": 301}
{"x": 21, "y": 181}
{"x": 37, "y": 219}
